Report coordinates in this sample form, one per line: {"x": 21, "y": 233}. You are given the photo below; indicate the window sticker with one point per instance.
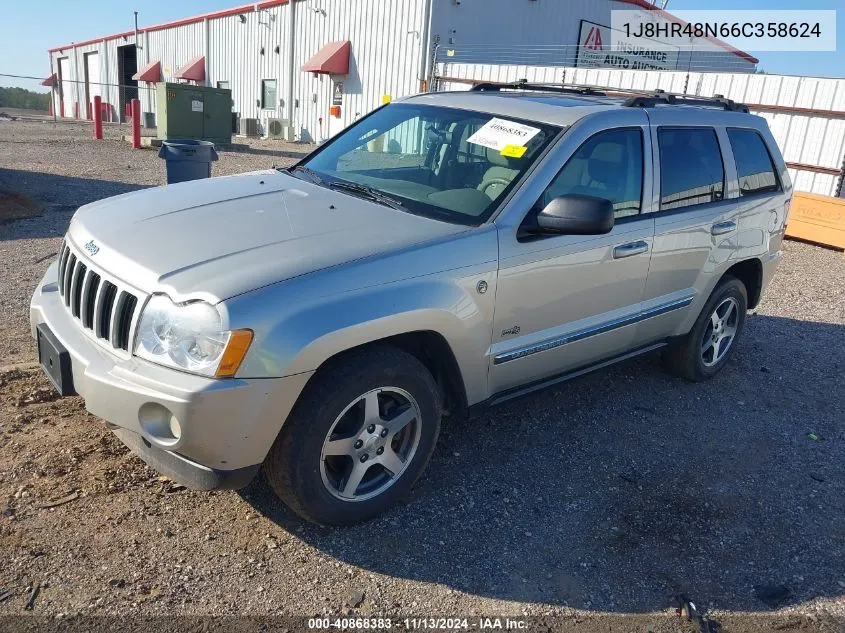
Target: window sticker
{"x": 514, "y": 151}
{"x": 499, "y": 133}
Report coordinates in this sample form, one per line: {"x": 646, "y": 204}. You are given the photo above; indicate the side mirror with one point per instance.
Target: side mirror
{"x": 575, "y": 214}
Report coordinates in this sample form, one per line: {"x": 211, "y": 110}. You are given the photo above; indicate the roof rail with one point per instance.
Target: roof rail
{"x": 522, "y": 84}
{"x": 639, "y": 98}
{"x": 659, "y": 97}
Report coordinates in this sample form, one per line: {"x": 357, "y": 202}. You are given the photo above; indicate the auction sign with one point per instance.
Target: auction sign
{"x": 599, "y": 47}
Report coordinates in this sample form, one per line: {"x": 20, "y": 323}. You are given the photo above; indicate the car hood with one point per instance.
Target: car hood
{"x": 219, "y": 237}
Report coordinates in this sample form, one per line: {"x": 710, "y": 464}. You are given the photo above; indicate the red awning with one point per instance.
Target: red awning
{"x": 50, "y": 81}
{"x": 332, "y": 59}
{"x": 151, "y": 73}
{"x": 193, "y": 70}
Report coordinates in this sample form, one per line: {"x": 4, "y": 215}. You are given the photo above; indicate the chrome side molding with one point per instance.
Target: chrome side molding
{"x": 601, "y": 328}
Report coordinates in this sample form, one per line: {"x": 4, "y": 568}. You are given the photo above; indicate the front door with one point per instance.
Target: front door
{"x": 567, "y": 301}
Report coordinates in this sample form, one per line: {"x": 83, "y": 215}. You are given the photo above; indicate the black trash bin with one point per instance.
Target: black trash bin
{"x": 187, "y": 159}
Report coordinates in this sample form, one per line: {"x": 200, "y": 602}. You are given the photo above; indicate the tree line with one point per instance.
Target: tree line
{"x": 24, "y": 99}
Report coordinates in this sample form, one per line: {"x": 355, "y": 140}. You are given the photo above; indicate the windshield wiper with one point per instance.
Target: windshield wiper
{"x": 312, "y": 175}
{"x": 367, "y": 192}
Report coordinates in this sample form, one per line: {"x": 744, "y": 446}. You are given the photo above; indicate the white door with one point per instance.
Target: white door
{"x": 92, "y": 79}
{"x": 66, "y": 87}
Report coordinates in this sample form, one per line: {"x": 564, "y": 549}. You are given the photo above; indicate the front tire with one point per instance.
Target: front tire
{"x": 358, "y": 439}
{"x": 703, "y": 352}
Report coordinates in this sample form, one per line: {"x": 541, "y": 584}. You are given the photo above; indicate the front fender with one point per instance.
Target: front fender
{"x": 299, "y": 328}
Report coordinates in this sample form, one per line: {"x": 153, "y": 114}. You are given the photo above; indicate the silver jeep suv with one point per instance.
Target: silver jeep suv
{"x": 447, "y": 252}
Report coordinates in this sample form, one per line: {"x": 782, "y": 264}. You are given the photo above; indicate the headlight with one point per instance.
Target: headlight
{"x": 190, "y": 337}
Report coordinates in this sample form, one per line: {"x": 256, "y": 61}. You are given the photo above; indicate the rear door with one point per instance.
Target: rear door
{"x": 695, "y": 217}
{"x": 567, "y": 301}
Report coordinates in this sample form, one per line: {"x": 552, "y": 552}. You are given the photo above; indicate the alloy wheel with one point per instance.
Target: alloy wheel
{"x": 720, "y": 332}
{"x": 370, "y": 444}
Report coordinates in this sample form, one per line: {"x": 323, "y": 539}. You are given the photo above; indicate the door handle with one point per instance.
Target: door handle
{"x": 720, "y": 228}
{"x": 630, "y": 249}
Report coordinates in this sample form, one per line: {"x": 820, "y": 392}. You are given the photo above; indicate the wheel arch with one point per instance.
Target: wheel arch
{"x": 429, "y": 347}
{"x": 750, "y": 273}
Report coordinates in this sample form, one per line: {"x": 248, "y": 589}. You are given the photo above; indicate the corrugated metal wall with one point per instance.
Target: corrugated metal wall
{"x": 243, "y": 53}
{"x": 385, "y": 58}
{"x": 172, "y": 47}
{"x": 545, "y": 33}
{"x": 107, "y": 57}
{"x": 815, "y": 139}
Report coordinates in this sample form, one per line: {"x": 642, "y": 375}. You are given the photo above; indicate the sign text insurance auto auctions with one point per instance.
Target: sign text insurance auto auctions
{"x": 599, "y": 48}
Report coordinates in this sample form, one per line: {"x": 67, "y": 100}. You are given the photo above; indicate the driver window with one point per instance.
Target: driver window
{"x": 608, "y": 165}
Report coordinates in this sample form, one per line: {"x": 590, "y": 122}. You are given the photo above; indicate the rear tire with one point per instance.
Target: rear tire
{"x": 711, "y": 342}
{"x": 358, "y": 438}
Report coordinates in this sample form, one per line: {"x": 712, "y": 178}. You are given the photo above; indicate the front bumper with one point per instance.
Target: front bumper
{"x": 225, "y": 427}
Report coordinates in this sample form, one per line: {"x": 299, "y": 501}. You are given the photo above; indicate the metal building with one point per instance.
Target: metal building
{"x": 307, "y": 68}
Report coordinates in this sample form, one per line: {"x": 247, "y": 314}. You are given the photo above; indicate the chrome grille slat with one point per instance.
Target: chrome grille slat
{"x": 98, "y": 308}
{"x": 133, "y": 325}
{"x": 62, "y": 270}
{"x": 89, "y": 297}
{"x": 83, "y": 295}
{"x": 64, "y": 253}
{"x": 114, "y": 319}
{"x": 69, "y": 267}
{"x": 76, "y": 282}
{"x": 125, "y": 319}
{"x": 105, "y": 308}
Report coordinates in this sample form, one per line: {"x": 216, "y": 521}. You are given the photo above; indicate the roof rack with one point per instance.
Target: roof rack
{"x": 639, "y": 98}
{"x": 522, "y": 84}
{"x": 660, "y": 97}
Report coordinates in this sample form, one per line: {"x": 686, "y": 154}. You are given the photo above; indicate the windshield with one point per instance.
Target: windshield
{"x": 444, "y": 163}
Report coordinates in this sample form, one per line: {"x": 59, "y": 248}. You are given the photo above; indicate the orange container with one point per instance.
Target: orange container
{"x": 819, "y": 219}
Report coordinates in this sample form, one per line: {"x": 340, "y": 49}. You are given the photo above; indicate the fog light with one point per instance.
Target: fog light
{"x": 175, "y": 428}
{"x": 159, "y": 423}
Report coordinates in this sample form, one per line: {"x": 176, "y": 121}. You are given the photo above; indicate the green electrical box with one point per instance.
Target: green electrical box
{"x": 193, "y": 112}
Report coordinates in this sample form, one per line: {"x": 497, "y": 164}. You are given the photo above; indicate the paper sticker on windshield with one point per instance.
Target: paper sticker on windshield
{"x": 513, "y": 151}
{"x": 499, "y": 133}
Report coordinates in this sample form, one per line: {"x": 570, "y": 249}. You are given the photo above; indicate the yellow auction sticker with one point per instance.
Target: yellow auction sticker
{"x": 513, "y": 151}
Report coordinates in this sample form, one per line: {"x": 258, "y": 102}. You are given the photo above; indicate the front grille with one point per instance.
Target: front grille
{"x": 99, "y": 304}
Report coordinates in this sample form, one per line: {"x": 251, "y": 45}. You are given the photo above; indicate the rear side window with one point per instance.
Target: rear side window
{"x": 754, "y": 166}
{"x": 691, "y": 168}
{"x": 608, "y": 165}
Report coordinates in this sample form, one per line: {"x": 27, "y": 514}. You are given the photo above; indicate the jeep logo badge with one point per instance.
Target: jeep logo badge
{"x": 92, "y": 248}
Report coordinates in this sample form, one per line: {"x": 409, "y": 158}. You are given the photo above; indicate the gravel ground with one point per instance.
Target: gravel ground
{"x": 599, "y": 500}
